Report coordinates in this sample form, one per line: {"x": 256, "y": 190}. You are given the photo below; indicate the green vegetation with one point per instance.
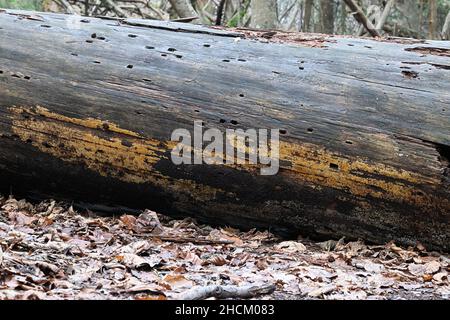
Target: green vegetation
{"x": 21, "y": 4}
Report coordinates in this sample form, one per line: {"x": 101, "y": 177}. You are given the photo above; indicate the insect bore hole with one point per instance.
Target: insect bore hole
{"x": 334, "y": 166}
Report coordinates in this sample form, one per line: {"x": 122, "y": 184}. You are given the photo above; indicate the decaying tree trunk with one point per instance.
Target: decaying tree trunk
{"x": 88, "y": 106}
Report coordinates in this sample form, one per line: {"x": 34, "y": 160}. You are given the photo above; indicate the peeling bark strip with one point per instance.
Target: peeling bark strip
{"x": 87, "y": 111}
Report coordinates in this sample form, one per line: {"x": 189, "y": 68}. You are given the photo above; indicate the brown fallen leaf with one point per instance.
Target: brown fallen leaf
{"x": 417, "y": 269}
{"x": 129, "y": 221}
{"x": 152, "y": 289}
{"x": 193, "y": 258}
{"x": 223, "y": 234}
{"x": 240, "y": 259}
{"x": 427, "y": 277}
{"x": 33, "y": 295}
{"x": 261, "y": 264}
{"x": 404, "y": 254}
{"x": 148, "y": 222}
{"x": 439, "y": 277}
{"x": 420, "y": 247}
{"x": 136, "y": 262}
{"x": 373, "y": 267}
{"x": 45, "y": 222}
{"x": 322, "y": 291}
{"x": 353, "y": 248}
{"x": 218, "y": 260}
{"x": 432, "y": 267}
{"x": 21, "y": 219}
{"x": 291, "y": 246}
{"x": 150, "y": 297}
{"x": 178, "y": 281}
{"x": 47, "y": 268}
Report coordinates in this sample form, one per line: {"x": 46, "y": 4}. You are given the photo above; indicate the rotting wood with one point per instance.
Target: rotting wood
{"x": 87, "y": 110}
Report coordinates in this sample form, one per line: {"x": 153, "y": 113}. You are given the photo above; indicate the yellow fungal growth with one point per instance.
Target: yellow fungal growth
{"x": 87, "y": 123}
{"x": 123, "y": 155}
{"x": 320, "y": 167}
{"x": 111, "y": 151}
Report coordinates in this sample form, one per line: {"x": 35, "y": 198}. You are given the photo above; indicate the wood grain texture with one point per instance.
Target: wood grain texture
{"x": 87, "y": 108}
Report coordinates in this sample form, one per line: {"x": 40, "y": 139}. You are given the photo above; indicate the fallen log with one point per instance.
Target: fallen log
{"x": 88, "y": 106}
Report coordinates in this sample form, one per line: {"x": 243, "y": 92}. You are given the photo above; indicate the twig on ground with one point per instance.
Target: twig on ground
{"x": 226, "y": 292}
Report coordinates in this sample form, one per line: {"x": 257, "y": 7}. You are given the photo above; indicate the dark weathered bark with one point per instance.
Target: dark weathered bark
{"x": 87, "y": 110}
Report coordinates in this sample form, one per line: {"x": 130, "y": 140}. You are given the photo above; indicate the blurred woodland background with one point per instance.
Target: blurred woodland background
{"x": 423, "y": 19}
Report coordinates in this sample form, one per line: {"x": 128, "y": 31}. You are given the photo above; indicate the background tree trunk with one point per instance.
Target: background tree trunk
{"x": 327, "y": 11}
{"x": 446, "y": 28}
{"x": 183, "y": 8}
{"x": 308, "y": 15}
{"x": 432, "y": 20}
{"x": 264, "y": 14}
{"x": 408, "y": 11}
{"x": 343, "y": 14}
{"x": 385, "y": 14}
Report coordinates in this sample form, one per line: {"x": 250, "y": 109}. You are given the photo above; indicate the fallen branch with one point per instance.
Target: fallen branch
{"x": 361, "y": 18}
{"x": 226, "y": 292}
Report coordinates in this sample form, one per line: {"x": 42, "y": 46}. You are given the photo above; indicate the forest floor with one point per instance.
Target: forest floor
{"x": 49, "y": 251}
